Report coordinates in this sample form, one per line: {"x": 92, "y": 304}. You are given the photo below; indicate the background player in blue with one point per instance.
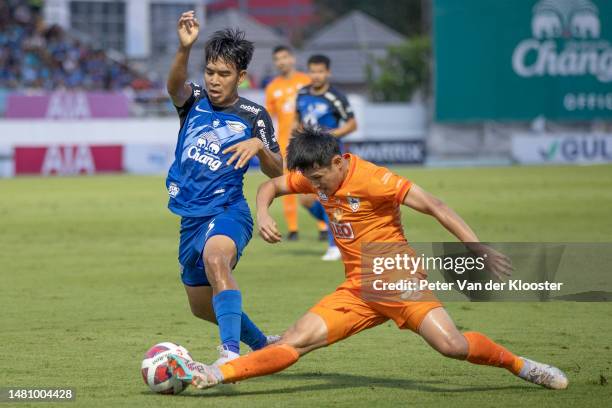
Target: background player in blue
{"x": 321, "y": 105}
{"x": 219, "y": 133}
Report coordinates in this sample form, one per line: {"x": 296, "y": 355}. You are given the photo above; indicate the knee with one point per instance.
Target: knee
{"x": 293, "y": 338}
{"x": 217, "y": 266}
{"x": 453, "y": 347}
{"x": 299, "y": 340}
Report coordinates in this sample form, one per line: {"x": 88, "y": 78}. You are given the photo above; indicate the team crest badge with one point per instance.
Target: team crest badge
{"x": 337, "y": 215}
{"x": 235, "y": 126}
{"x": 353, "y": 203}
{"x": 322, "y": 196}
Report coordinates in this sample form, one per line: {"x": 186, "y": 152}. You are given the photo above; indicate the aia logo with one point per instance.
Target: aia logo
{"x": 342, "y": 230}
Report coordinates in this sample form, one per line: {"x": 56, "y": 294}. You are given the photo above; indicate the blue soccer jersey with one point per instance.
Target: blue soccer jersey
{"x": 199, "y": 182}
{"x": 326, "y": 110}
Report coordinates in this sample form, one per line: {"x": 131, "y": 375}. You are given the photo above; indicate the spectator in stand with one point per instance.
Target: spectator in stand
{"x": 35, "y": 56}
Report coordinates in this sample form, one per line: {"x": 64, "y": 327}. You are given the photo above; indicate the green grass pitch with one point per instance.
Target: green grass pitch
{"x": 90, "y": 281}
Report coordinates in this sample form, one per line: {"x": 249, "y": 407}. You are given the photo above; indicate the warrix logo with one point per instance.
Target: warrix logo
{"x": 565, "y": 42}
{"x": 250, "y": 108}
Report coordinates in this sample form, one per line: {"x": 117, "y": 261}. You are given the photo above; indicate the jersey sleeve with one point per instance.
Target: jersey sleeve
{"x": 196, "y": 93}
{"x": 263, "y": 129}
{"x": 388, "y": 186}
{"x": 270, "y": 105}
{"x": 343, "y": 108}
{"x": 297, "y": 183}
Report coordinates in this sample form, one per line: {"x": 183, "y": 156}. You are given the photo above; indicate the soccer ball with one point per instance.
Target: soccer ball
{"x": 155, "y": 372}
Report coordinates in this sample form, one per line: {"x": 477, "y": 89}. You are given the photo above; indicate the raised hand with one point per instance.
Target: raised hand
{"x": 188, "y": 28}
{"x": 495, "y": 262}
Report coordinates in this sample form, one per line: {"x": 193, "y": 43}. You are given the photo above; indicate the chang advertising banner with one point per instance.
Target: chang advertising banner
{"x": 519, "y": 59}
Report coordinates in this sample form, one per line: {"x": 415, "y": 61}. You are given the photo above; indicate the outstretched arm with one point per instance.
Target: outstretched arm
{"x": 187, "y": 29}
{"x": 420, "y": 200}
{"x": 266, "y": 193}
{"x": 423, "y": 202}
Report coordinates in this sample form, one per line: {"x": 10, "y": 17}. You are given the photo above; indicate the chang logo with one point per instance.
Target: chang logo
{"x": 206, "y": 150}
{"x": 204, "y": 158}
{"x": 565, "y": 42}
{"x": 565, "y": 18}
{"x": 314, "y": 112}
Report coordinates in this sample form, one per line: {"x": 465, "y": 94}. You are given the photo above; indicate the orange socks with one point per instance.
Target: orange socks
{"x": 483, "y": 350}
{"x": 275, "y": 358}
{"x": 268, "y": 360}
{"x": 290, "y": 209}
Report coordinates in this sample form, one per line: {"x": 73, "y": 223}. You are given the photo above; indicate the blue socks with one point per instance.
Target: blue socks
{"x": 318, "y": 212}
{"x": 234, "y": 325}
{"x": 250, "y": 334}
{"x": 228, "y": 309}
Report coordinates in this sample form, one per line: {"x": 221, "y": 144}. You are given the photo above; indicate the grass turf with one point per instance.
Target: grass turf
{"x": 90, "y": 281}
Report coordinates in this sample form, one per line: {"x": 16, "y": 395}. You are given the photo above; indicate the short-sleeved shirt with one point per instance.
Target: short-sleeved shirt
{"x": 199, "y": 182}
{"x": 326, "y": 110}
{"x": 364, "y": 209}
{"x": 280, "y": 102}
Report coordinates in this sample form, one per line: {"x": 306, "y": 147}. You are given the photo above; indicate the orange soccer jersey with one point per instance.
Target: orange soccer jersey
{"x": 280, "y": 103}
{"x": 365, "y": 209}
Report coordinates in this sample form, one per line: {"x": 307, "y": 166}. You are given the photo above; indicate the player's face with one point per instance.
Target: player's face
{"x": 284, "y": 62}
{"x": 326, "y": 179}
{"x": 319, "y": 75}
{"x": 222, "y": 79}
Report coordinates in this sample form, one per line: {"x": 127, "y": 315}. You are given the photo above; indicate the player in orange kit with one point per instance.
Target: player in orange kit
{"x": 363, "y": 200}
{"x": 280, "y": 103}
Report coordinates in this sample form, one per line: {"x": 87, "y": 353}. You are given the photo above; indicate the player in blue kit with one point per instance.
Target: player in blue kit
{"x": 219, "y": 133}
{"x": 322, "y": 105}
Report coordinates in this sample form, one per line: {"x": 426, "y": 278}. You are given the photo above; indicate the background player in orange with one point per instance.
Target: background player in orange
{"x": 280, "y": 103}
{"x": 364, "y": 201}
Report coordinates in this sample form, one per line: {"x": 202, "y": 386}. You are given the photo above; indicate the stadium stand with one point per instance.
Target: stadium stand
{"x": 34, "y": 55}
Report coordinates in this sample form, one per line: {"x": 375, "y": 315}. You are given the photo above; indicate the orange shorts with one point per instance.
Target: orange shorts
{"x": 346, "y": 314}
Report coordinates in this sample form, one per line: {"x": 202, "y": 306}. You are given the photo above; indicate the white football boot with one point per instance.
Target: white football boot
{"x": 543, "y": 374}
{"x": 225, "y": 356}
{"x": 332, "y": 254}
{"x": 271, "y": 339}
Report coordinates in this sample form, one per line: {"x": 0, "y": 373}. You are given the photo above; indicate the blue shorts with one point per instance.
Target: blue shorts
{"x": 234, "y": 222}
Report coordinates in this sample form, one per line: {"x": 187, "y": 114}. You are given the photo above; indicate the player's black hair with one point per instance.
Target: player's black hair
{"x": 230, "y": 46}
{"x": 310, "y": 147}
{"x": 280, "y": 48}
{"x": 320, "y": 59}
